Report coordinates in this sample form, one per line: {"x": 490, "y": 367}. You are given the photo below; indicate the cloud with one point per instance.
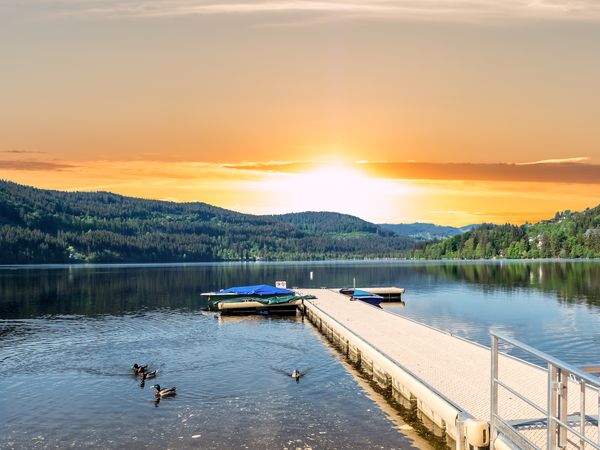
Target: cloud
{"x": 555, "y": 161}
{"x": 277, "y": 166}
{"x": 383, "y": 9}
{"x": 564, "y": 172}
{"x": 548, "y": 171}
{"x": 132, "y": 171}
{"x": 35, "y": 165}
{"x": 22, "y": 152}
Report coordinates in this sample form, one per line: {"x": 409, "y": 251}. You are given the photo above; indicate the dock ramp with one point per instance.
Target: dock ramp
{"x": 450, "y": 378}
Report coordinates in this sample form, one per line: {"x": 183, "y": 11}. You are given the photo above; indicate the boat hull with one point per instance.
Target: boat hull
{"x": 375, "y": 301}
{"x": 257, "y": 308}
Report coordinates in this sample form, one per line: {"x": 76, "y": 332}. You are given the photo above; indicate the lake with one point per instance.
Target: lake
{"x": 69, "y": 335}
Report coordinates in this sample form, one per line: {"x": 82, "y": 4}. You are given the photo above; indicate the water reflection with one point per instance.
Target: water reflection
{"x": 570, "y": 281}
{"x": 114, "y": 290}
{"x": 83, "y": 327}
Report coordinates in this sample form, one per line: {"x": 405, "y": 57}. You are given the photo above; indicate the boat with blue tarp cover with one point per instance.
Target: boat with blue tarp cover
{"x": 260, "y": 299}
{"x": 259, "y": 289}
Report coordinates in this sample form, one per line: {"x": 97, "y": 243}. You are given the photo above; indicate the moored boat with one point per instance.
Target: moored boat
{"x": 388, "y": 294}
{"x": 364, "y": 296}
{"x": 259, "y": 299}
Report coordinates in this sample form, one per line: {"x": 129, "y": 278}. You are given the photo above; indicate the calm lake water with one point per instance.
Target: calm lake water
{"x": 68, "y": 336}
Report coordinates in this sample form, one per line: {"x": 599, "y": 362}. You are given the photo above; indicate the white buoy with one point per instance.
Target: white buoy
{"x": 311, "y": 275}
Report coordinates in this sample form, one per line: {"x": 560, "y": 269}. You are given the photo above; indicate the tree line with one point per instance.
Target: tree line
{"x": 44, "y": 226}
{"x": 567, "y": 235}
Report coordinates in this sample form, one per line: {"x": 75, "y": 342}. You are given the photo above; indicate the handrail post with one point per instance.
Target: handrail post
{"x": 582, "y": 413}
{"x": 494, "y": 390}
{"x": 552, "y": 406}
{"x": 563, "y": 385}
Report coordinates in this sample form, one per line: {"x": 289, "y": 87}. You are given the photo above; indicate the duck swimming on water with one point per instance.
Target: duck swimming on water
{"x": 139, "y": 369}
{"x": 296, "y": 374}
{"x": 146, "y": 375}
{"x": 166, "y": 392}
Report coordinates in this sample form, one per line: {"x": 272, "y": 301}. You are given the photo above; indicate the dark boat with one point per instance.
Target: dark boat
{"x": 363, "y": 296}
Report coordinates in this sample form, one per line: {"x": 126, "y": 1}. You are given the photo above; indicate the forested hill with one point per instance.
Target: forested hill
{"x": 43, "y": 226}
{"x": 567, "y": 235}
{"x": 330, "y": 223}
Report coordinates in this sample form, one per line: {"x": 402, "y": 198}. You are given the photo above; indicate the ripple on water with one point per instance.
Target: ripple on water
{"x": 230, "y": 375}
{"x": 66, "y": 354}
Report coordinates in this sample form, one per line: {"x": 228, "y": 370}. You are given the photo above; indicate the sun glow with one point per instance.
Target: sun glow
{"x": 333, "y": 187}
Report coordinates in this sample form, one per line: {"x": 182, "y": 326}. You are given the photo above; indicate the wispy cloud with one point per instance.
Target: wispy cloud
{"x": 555, "y": 161}
{"x": 132, "y": 170}
{"x": 383, "y": 9}
{"x": 555, "y": 171}
{"x": 48, "y": 166}
{"x": 21, "y": 152}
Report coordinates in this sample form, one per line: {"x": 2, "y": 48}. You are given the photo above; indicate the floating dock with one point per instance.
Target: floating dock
{"x": 450, "y": 379}
{"x": 253, "y": 307}
{"x": 389, "y": 294}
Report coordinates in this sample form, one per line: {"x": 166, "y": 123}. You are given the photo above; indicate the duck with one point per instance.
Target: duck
{"x": 166, "y": 392}
{"x": 139, "y": 369}
{"x": 145, "y": 375}
{"x": 296, "y": 374}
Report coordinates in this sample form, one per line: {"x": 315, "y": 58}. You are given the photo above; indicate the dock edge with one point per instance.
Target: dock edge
{"x": 463, "y": 429}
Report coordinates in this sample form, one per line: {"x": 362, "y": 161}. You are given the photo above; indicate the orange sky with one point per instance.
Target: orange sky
{"x": 445, "y": 104}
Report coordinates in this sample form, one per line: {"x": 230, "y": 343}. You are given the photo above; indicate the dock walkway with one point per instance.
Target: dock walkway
{"x": 454, "y": 369}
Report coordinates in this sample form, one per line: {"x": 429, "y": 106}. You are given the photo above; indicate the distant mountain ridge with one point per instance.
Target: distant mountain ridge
{"x": 45, "y": 226}
{"x": 425, "y": 231}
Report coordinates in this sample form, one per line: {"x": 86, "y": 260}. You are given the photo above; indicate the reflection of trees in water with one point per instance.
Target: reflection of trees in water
{"x": 117, "y": 290}
{"x": 572, "y": 282}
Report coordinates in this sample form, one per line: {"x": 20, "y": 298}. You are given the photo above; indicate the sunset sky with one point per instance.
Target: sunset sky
{"x": 451, "y": 112}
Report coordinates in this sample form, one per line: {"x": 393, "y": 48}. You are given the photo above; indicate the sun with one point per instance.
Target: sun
{"x": 338, "y": 187}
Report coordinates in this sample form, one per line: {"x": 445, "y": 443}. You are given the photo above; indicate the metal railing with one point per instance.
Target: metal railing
{"x": 564, "y": 423}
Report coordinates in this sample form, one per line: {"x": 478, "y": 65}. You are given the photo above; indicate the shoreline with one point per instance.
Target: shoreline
{"x": 384, "y": 261}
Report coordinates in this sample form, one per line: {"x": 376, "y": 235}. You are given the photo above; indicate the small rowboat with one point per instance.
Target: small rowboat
{"x": 363, "y": 296}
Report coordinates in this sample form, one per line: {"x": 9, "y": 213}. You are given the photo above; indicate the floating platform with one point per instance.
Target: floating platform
{"x": 449, "y": 378}
{"x": 253, "y": 307}
{"x": 389, "y": 294}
